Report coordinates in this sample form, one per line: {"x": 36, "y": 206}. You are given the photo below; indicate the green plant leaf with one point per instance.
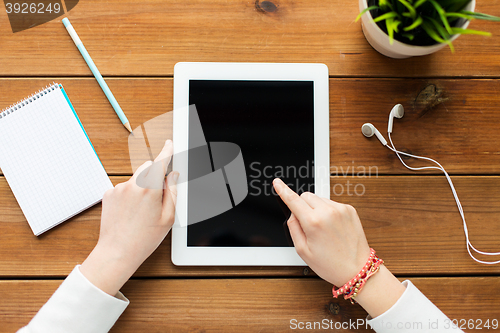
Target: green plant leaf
{"x": 439, "y": 28}
{"x": 460, "y": 15}
{"x": 429, "y": 29}
{"x": 410, "y": 8}
{"x": 481, "y": 16}
{"x": 457, "y": 31}
{"x": 364, "y": 11}
{"x": 395, "y": 25}
{"x": 386, "y": 16}
{"x": 392, "y": 26}
{"x": 442, "y": 15}
{"x": 390, "y": 30}
{"x": 415, "y": 24}
{"x": 432, "y": 32}
{"x": 409, "y": 36}
{"x": 419, "y": 3}
{"x": 384, "y": 4}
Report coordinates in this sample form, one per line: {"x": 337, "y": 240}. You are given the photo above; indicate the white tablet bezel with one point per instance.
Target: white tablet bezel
{"x": 245, "y": 256}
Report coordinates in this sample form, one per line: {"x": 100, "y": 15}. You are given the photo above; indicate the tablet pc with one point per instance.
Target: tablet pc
{"x": 236, "y": 127}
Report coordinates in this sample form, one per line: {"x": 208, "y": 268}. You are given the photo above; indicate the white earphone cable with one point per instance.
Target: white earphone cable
{"x": 459, "y": 205}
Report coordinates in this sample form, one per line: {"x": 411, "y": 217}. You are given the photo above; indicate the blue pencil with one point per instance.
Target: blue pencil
{"x": 97, "y": 75}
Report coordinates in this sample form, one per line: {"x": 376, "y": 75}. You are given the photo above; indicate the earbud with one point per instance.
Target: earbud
{"x": 397, "y": 111}
{"x": 369, "y": 130}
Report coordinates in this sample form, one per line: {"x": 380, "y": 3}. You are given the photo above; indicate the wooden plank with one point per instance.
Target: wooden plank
{"x": 412, "y": 222}
{"x": 250, "y": 305}
{"x": 140, "y": 99}
{"x": 453, "y": 121}
{"x": 150, "y": 36}
{"x": 57, "y": 251}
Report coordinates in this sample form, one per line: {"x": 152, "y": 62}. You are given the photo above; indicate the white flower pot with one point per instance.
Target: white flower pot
{"x": 379, "y": 40}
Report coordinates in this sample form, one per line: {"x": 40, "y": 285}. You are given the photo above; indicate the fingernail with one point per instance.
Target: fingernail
{"x": 278, "y": 184}
{"x": 168, "y": 142}
{"x": 174, "y": 177}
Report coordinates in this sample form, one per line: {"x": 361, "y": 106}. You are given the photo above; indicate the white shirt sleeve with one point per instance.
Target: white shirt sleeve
{"x": 413, "y": 312}
{"x": 78, "y": 306}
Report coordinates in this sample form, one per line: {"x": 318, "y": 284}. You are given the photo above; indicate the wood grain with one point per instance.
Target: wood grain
{"x": 450, "y": 100}
{"x": 147, "y": 38}
{"x": 412, "y": 222}
{"x": 248, "y": 305}
{"x": 453, "y": 121}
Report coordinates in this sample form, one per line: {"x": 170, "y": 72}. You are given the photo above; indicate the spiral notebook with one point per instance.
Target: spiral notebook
{"x": 48, "y": 159}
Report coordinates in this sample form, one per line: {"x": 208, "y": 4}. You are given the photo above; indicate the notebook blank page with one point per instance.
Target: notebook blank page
{"x": 49, "y": 162}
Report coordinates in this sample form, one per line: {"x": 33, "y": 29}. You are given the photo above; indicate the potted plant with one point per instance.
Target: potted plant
{"x": 407, "y": 28}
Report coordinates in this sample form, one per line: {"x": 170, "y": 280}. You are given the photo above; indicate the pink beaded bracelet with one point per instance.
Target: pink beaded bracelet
{"x": 354, "y": 286}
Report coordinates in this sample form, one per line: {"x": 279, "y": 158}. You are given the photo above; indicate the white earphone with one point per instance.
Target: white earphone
{"x": 397, "y": 111}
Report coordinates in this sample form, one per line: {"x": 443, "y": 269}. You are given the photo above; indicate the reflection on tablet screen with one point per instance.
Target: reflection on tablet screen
{"x": 273, "y": 124}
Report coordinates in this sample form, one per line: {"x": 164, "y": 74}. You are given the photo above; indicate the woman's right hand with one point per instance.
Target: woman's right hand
{"x": 327, "y": 235}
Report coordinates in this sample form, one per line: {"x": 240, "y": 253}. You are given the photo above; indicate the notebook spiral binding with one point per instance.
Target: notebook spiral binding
{"x": 27, "y": 100}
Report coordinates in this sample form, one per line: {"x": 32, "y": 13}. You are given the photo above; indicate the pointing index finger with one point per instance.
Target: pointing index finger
{"x": 297, "y": 205}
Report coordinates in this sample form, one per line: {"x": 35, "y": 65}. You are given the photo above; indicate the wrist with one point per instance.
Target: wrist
{"x": 106, "y": 269}
{"x": 380, "y": 292}
{"x": 351, "y": 288}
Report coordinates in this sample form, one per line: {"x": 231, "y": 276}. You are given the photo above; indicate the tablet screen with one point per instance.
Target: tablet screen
{"x": 273, "y": 124}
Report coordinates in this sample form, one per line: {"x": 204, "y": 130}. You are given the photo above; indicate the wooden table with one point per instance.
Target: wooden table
{"x": 451, "y": 103}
